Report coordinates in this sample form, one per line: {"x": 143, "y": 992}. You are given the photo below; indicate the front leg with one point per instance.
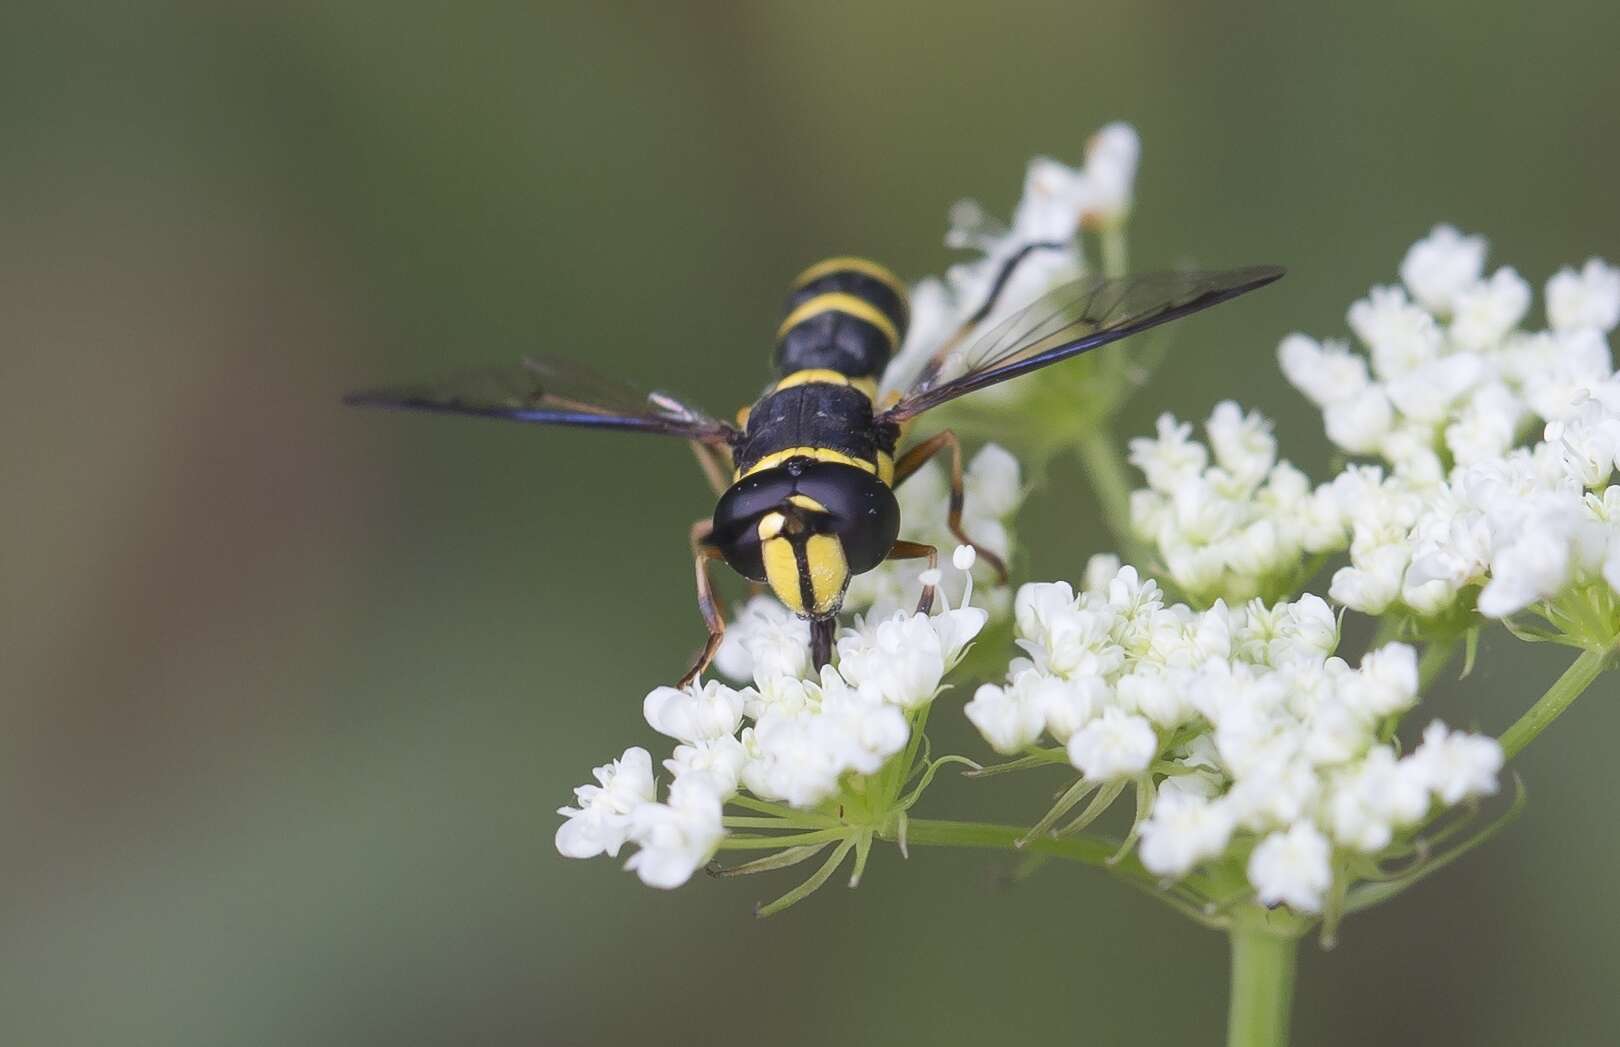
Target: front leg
{"x": 913, "y": 460}
{"x": 709, "y": 604}
{"x": 715, "y": 463}
{"x": 918, "y": 551}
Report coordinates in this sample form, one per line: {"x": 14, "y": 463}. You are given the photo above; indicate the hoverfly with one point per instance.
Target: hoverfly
{"x": 805, "y": 478}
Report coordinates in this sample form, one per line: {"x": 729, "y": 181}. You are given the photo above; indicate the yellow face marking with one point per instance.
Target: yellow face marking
{"x": 782, "y": 571}
{"x": 770, "y": 525}
{"x": 829, "y": 571}
{"x": 854, "y": 265}
{"x": 820, "y": 454}
{"x": 847, "y": 304}
{"x": 804, "y": 501}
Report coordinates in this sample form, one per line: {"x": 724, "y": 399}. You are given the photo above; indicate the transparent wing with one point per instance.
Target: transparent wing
{"x": 550, "y": 391}
{"x": 1066, "y": 321}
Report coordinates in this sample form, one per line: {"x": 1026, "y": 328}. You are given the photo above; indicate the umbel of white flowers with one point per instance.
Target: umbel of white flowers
{"x": 1260, "y": 739}
{"x": 1447, "y": 383}
{"x": 795, "y": 736}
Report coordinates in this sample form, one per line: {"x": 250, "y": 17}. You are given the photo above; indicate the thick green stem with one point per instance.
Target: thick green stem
{"x": 1564, "y": 690}
{"x": 1106, "y": 469}
{"x": 1263, "y": 954}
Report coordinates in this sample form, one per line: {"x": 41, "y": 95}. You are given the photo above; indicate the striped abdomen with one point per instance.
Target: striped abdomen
{"x": 846, "y": 315}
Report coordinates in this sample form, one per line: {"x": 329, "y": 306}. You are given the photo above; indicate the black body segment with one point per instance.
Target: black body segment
{"x": 847, "y": 315}
{"x": 859, "y": 277}
{"x": 835, "y": 418}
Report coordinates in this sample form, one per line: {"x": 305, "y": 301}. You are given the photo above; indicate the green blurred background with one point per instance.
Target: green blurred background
{"x": 291, "y": 692}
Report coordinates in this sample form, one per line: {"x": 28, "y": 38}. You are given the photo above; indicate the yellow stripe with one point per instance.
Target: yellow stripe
{"x": 885, "y": 468}
{"x": 820, "y": 454}
{"x": 829, "y": 571}
{"x": 827, "y": 376}
{"x": 782, "y": 571}
{"x": 847, "y": 304}
{"x": 809, "y": 375}
{"x": 851, "y": 264}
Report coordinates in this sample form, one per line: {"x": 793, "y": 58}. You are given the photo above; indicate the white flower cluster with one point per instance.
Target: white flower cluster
{"x": 992, "y": 490}
{"x": 1234, "y": 528}
{"x": 1264, "y": 738}
{"x": 1449, "y": 384}
{"x": 1057, "y": 201}
{"x": 791, "y": 737}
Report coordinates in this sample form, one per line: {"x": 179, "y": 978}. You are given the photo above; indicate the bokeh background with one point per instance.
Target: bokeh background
{"x": 291, "y": 692}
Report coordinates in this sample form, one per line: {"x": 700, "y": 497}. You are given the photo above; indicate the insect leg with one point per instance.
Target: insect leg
{"x": 918, "y": 551}
{"x": 713, "y": 469}
{"x": 913, "y": 460}
{"x": 709, "y": 604}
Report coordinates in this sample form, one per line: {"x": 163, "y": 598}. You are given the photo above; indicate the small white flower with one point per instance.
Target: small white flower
{"x": 1005, "y": 717}
{"x": 1326, "y": 373}
{"x": 1534, "y": 566}
{"x": 721, "y": 761}
{"x": 1308, "y": 630}
{"x": 1456, "y": 766}
{"x": 1242, "y": 443}
{"x": 791, "y": 762}
{"x": 1171, "y": 459}
{"x": 1184, "y": 829}
{"x": 861, "y": 733}
{"x": 1113, "y": 745}
{"x": 1276, "y": 791}
{"x": 1110, "y": 173}
{"x": 1292, "y": 868}
{"x": 1398, "y": 335}
{"x": 1487, "y": 311}
{"x": 1441, "y": 266}
{"x": 1428, "y": 391}
{"x": 1100, "y": 570}
{"x": 1065, "y": 706}
{"x": 898, "y": 660}
{"x": 696, "y": 714}
{"x": 675, "y": 838}
{"x": 601, "y": 822}
{"x": 1373, "y": 799}
{"x": 1161, "y": 697}
{"x": 1373, "y": 582}
{"x": 766, "y": 641}
{"x": 1360, "y": 423}
{"x": 1589, "y": 298}
{"x": 1387, "y": 682}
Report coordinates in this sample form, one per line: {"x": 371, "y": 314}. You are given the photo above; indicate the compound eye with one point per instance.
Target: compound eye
{"x": 854, "y": 505}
